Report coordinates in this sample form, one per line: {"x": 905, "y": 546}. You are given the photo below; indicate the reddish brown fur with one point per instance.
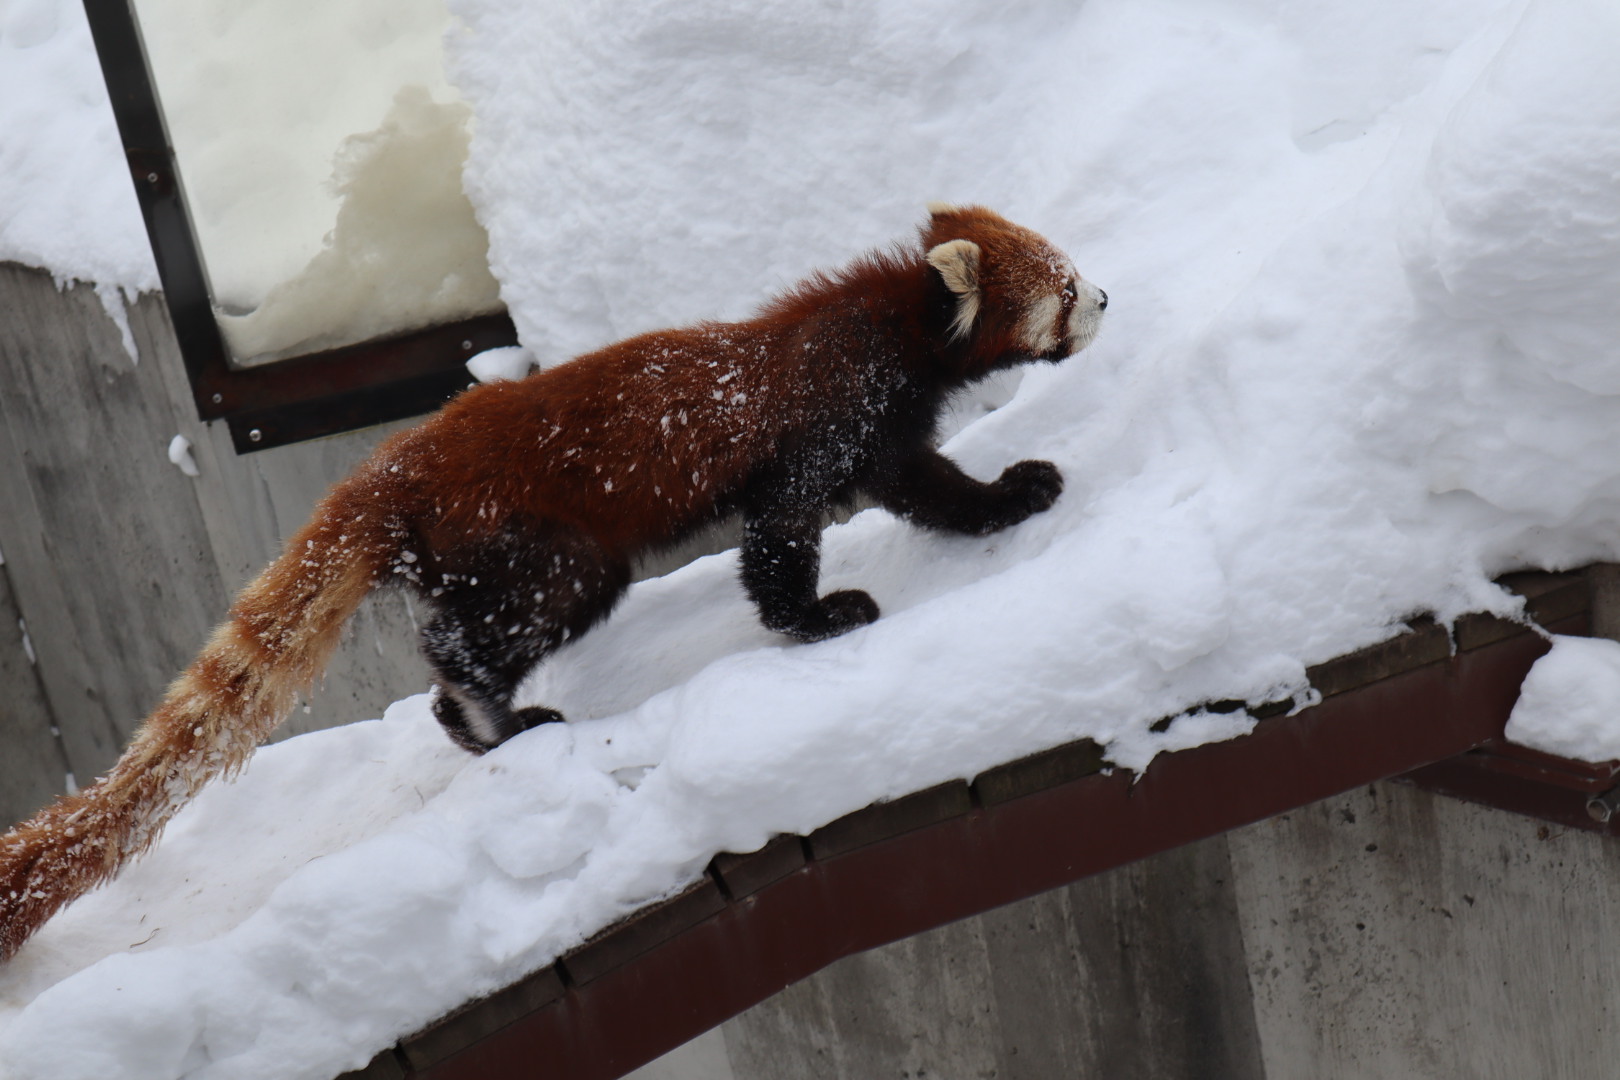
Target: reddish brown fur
{"x": 281, "y": 631}
{"x": 1015, "y": 265}
{"x": 518, "y": 507}
{"x": 552, "y": 443}
{"x": 610, "y": 412}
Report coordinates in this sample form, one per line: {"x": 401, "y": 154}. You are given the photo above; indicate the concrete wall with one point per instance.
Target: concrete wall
{"x": 1402, "y": 934}
{"x": 1386, "y": 933}
{"x": 119, "y": 563}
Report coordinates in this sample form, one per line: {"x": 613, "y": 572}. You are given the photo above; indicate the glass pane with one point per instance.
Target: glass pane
{"x": 321, "y": 149}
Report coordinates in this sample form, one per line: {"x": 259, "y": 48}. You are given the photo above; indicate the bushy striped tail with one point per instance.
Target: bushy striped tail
{"x": 280, "y": 634}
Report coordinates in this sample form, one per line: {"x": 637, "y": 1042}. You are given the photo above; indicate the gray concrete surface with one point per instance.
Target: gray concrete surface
{"x": 1138, "y": 972}
{"x": 1387, "y": 934}
{"x": 121, "y": 564}
{"x": 1396, "y": 933}
{"x": 33, "y": 766}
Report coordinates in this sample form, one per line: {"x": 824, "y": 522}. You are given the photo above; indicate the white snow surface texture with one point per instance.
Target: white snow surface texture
{"x": 1362, "y": 353}
{"x": 66, "y": 200}
{"x": 1570, "y": 702}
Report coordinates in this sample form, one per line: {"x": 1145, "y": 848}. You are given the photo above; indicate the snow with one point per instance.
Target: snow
{"x": 404, "y": 251}
{"x": 1359, "y": 359}
{"x": 508, "y": 362}
{"x": 181, "y": 457}
{"x": 68, "y": 202}
{"x": 302, "y": 213}
{"x": 1570, "y": 702}
{"x": 307, "y": 74}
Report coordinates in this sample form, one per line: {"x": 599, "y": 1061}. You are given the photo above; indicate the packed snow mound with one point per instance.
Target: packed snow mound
{"x": 1360, "y": 265}
{"x": 1525, "y": 233}
{"x": 66, "y": 201}
{"x": 404, "y": 251}
{"x": 1570, "y": 702}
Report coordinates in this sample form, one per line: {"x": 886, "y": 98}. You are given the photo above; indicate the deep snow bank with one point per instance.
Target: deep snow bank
{"x": 1359, "y": 359}
{"x": 66, "y": 202}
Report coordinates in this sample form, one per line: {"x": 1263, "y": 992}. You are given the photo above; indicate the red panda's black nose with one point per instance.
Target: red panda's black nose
{"x": 1102, "y": 303}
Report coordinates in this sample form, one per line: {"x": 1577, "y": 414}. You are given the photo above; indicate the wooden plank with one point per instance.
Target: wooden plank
{"x": 103, "y": 514}
{"x": 884, "y": 820}
{"x": 479, "y": 1020}
{"x": 681, "y": 979}
{"x": 249, "y": 504}
{"x": 743, "y": 875}
{"x": 64, "y": 673}
{"x": 32, "y": 767}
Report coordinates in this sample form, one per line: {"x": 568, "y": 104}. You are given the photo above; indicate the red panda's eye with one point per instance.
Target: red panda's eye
{"x": 1070, "y": 291}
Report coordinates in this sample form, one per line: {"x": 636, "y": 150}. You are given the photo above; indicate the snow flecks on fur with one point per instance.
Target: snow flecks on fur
{"x": 833, "y": 388}
{"x": 517, "y": 510}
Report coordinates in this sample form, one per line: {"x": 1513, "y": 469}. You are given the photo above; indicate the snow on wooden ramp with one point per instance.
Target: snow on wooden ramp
{"x": 757, "y": 923}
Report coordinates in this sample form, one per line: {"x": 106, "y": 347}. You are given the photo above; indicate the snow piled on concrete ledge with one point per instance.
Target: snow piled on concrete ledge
{"x": 1360, "y": 357}
{"x": 66, "y": 201}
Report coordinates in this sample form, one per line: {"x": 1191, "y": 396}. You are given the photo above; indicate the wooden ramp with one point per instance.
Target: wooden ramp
{"x": 1425, "y": 706}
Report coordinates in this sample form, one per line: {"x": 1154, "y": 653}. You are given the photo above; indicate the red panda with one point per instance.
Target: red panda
{"x": 517, "y": 510}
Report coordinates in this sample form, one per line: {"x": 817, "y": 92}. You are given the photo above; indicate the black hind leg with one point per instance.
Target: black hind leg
{"x": 500, "y": 616}
{"x": 477, "y": 673}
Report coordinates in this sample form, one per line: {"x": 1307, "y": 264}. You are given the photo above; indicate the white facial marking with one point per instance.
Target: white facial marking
{"x": 1086, "y": 318}
{"x": 1039, "y": 327}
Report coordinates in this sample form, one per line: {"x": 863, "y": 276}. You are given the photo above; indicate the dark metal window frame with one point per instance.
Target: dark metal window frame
{"x": 282, "y": 401}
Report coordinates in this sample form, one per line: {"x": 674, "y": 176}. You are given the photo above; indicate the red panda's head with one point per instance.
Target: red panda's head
{"x": 1018, "y": 297}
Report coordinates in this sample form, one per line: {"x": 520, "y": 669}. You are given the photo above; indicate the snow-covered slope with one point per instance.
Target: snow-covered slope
{"x": 1361, "y": 355}
{"x": 66, "y": 203}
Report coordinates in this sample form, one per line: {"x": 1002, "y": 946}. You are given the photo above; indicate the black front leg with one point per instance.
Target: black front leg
{"x": 781, "y": 567}
{"x": 930, "y": 490}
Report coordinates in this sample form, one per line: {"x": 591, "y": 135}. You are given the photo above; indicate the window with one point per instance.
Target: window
{"x": 298, "y": 166}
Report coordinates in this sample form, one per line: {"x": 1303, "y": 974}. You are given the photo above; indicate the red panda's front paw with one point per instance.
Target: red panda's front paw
{"x": 1029, "y": 487}
{"x": 834, "y": 614}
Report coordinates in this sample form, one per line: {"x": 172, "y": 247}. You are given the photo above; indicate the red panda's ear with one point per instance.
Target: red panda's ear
{"x": 942, "y": 209}
{"x": 958, "y": 264}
